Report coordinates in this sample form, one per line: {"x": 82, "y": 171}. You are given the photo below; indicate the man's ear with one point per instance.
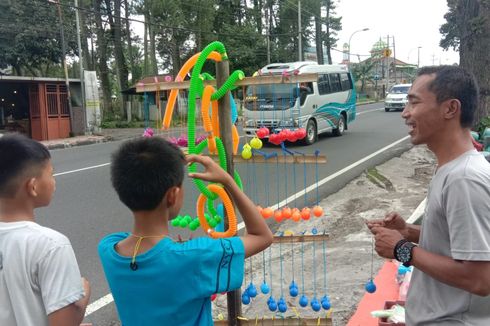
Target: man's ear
{"x": 31, "y": 187}
{"x": 452, "y": 109}
{"x": 172, "y": 195}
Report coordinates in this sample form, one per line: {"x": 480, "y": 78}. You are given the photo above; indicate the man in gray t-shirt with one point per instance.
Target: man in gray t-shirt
{"x": 451, "y": 280}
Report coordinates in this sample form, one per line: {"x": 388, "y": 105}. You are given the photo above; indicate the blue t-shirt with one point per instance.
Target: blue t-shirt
{"x": 174, "y": 281}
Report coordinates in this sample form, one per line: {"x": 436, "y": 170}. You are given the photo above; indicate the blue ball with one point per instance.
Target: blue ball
{"x": 252, "y": 290}
{"x": 272, "y": 306}
{"x": 315, "y": 305}
{"x": 271, "y": 299}
{"x": 245, "y": 299}
{"x": 326, "y": 304}
{"x": 264, "y": 288}
{"x": 293, "y": 284}
{"x": 293, "y": 291}
{"x": 303, "y": 301}
{"x": 370, "y": 287}
{"x": 282, "y": 307}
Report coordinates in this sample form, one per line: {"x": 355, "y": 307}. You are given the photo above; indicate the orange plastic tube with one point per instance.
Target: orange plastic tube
{"x": 206, "y": 120}
{"x": 230, "y": 213}
{"x": 236, "y": 138}
{"x": 214, "y": 118}
{"x": 169, "y": 109}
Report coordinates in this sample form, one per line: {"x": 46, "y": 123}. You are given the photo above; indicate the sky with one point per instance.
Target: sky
{"x": 413, "y": 23}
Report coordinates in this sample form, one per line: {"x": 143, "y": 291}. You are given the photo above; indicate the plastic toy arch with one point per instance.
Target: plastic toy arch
{"x": 230, "y": 212}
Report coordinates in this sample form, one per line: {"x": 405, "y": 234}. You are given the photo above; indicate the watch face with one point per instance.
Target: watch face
{"x": 405, "y": 253}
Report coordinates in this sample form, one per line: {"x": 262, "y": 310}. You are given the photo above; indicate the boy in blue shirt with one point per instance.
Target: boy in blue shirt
{"x": 154, "y": 280}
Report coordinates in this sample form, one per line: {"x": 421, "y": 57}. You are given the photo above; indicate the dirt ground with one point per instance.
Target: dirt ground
{"x": 399, "y": 184}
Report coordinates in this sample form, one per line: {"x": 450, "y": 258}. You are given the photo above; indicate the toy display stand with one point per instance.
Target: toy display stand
{"x": 281, "y": 321}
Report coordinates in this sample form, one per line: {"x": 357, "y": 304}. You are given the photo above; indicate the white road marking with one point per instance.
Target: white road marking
{"x": 96, "y": 305}
{"x": 82, "y": 169}
{"x": 374, "y": 110}
{"x": 107, "y": 299}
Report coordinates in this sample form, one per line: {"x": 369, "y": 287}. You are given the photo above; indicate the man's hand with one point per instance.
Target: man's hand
{"x": 392, "y": 221}
{"x": 385, "y": 240}
{"x": 213, "y": 172}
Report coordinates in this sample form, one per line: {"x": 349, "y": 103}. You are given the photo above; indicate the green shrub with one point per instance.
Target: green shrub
{"x": 482, "y": 125}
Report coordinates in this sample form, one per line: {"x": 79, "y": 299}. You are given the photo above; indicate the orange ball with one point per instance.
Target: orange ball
{"x": 296, "y": 216}
{"x": 286, "y": 212}
{"x": 317, "y": 211}
{"x": 305, "y": 213}
{"x": 295, "y": 210}
{"x": 267, "y": 212}
{"x": 278, "y": 216}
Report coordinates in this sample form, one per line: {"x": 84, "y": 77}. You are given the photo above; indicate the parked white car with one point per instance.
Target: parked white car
{"x": 397, "y": 97}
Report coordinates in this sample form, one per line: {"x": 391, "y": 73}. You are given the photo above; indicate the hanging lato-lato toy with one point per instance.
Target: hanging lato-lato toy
{"x": 209, "y": 98}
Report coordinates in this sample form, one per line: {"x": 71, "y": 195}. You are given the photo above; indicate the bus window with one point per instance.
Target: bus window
{"x": 323, "y": 85}
{"x": 335, "y": 83}
{"x": 345, "y": 81}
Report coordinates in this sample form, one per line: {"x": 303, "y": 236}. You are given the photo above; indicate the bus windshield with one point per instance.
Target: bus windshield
{"x": 272, "y": 91}
{"x": 400, "y": 89}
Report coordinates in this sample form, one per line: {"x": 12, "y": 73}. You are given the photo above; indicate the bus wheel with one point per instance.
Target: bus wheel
{"x": 311, "y": 132}
{"x": 340, "y": 126}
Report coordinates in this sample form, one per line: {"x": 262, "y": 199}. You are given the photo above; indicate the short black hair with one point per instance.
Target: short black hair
{"x": 18, "y": 155}
{"x": 454, "y": 82}
{"x": 144, "y": 169}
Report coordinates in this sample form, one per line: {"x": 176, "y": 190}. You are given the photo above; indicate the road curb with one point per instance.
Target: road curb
{"x": 72, "y": 142}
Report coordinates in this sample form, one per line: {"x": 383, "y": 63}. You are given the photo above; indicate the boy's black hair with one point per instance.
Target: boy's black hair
{"x": 18, "y": 155}
{"x": 144, "y": 169}
{"x": 453, "y": 82}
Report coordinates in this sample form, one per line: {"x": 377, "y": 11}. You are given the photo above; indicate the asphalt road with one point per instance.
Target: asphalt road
{"x": 85, "y": 207}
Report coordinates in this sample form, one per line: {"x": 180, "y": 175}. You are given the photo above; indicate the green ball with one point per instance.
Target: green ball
{"x": 176, "y": 221}
{"x": 183, "y": 223}
{"x": 193, "y": 226}
{"x": 196, "y": 220}
{"x": 188, "y": 218}
{"x": 212, "y": 223}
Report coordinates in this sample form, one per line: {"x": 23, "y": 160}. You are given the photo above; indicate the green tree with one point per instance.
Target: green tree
{"x": 467, "y": 29}
{"x": 333, "y": 25}
{"x": 363, "y": 72}
{"x": 30, "y": 39}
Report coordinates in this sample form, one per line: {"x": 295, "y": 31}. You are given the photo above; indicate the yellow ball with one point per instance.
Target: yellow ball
{"x": 246, "y": 154}
{"x": 256, "y": 143}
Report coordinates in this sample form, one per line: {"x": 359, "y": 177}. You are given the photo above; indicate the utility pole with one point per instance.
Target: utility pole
{"x": 300, "y": 56}
{"x": 63, "y": 50}
{"x": 267, "y": 33}
{"x": 80, "y": 58}
{"x": 394, "y": 57}
{"x": 388, "y": 65}
{"x": 418, "y": 57}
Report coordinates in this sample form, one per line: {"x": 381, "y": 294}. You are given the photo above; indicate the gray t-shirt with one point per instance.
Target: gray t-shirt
{"x": 38, "y": 274}
{"x": 456, "y": 224}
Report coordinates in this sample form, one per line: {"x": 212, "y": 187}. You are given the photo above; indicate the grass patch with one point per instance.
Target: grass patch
{"x": 379, "y": 180}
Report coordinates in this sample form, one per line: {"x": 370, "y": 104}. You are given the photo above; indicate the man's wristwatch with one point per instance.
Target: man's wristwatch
{"x": 403, "y": 252}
